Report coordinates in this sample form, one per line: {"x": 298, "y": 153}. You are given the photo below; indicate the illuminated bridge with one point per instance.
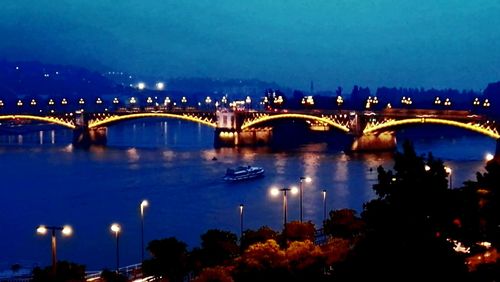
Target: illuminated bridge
{"x": 371, "y": 130}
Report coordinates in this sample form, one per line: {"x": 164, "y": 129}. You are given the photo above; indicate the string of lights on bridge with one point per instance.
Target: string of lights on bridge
{"x": 209, "y": 102}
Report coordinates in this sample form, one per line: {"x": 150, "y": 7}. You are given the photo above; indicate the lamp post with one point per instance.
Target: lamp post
{"x": 144, "y": 204}
{"x": 65, "y": 230}
{"x": 324, "y": 205}
{"x": 449, "y": 171}
{"x": 115, "y": 227}
{"x": 241, "y": 221}
{"x": 276, "y": 191}
{"x": 302, "y": 179}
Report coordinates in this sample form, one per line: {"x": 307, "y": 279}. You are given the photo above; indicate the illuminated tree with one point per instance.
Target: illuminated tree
{"x": 262, "y": 234}
{"x": 214, "y": 274}
{"x": 299, "y": 231}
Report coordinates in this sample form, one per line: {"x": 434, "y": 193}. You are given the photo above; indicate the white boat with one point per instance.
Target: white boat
{"x": 243, "y": 173}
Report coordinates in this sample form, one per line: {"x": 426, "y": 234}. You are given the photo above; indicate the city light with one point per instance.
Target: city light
{"x": 141, "y": 85}
{"x": 160, "y": 86}
{"x": 447, "y": 102}
{"x": 340, "y": 100}
{"x": 489, "y": 156}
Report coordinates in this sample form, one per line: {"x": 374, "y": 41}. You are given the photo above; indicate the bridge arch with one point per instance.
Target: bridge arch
{"x": 323, "y": 119}
{"x": 487, "y": 129}
{"x": 105, "y": 120}
{"x": 54, "y": 120}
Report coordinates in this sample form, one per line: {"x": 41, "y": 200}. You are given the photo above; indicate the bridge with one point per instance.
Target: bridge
{"x": 371, "y": 130}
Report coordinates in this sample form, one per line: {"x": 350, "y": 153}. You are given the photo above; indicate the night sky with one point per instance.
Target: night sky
{"x": 425, "y": 43}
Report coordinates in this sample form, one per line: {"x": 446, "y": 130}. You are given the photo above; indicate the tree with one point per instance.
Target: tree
{"x": 111, "y": 276}
{"x": 299, "y": 231}
{"x": 262, "y": 262}
{"x": 217, "y": 247}
{"x": 406, "y": 225}
{"x": 214, "y": 274}
{"x": 262, "y": 234}
{"x": 343, "y": 223}
{"x": 169, "y": 259}
{"x": 66, "y": 271}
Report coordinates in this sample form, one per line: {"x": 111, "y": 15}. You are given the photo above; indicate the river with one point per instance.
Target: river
{"x": 173, "y": 164}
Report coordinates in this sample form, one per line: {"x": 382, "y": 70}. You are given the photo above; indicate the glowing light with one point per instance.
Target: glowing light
{"x": 115, "y": 227}
{"x": 306, "y": 179}
{"x": 427, "y": 168}
{"x": 265, "y": 118}
{"x": 98, "y": 101}
{"x": 116, "y": 101}
{"x": 160, "y": 86}
{"x": 392, "y": 123}
{"x": 67, "y": 230}
{"x": 448, "y": 169}
{"x": 340, "y": 100}
{"x": 274, "y": 192}
{"x": 42, "y": 230}
{"x": 182, "y": 116}
{"x": 294, "y": 190}
{"x": 489, "y": 156}
{"x": 141, "y": 85}
{"x": 54, "y": 120}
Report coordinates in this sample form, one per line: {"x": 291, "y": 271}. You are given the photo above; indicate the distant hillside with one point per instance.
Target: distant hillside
{"x": 200, "y": 86}
{"x": 34, "y": 79}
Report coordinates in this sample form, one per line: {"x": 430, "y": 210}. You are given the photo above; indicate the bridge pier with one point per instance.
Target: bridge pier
{"x": 385, "y": 141}
{"x": 84, "y": 137}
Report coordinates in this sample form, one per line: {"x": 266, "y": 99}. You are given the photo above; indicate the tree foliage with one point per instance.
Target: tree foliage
{"x": 169, "y": 259}
{"x": 260, "y": 235}
{"x": 343, "y": 223}
{"x": 65, "y": 271}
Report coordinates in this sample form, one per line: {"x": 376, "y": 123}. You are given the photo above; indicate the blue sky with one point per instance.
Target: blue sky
{"x": 428, "y": 43}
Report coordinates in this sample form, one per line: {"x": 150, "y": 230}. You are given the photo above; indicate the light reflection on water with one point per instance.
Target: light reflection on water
{"x": 171, "y": 163}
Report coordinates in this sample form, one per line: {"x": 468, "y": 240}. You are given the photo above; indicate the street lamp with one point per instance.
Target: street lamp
{"x": 241, "y": 221}
{"x": 275, "y": 192}
{"x": 324, "y": 205}
{"x": 115, "y": 227}
{"x": 302, "y": 179}
{"x": 489, "y": 156}
{"x": 144, "y": 204}
{"x": 65, "y": 230}
{"x": 449, "y": 172}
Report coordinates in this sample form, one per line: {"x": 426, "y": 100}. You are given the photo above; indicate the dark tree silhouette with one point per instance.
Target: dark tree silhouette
{"x": 66, "y": 271}
{"x": 405, "y": 226}
{"x": 343, "y": 223}
{"x": 169, "y": 259}
{"x": 218, "y": 247}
